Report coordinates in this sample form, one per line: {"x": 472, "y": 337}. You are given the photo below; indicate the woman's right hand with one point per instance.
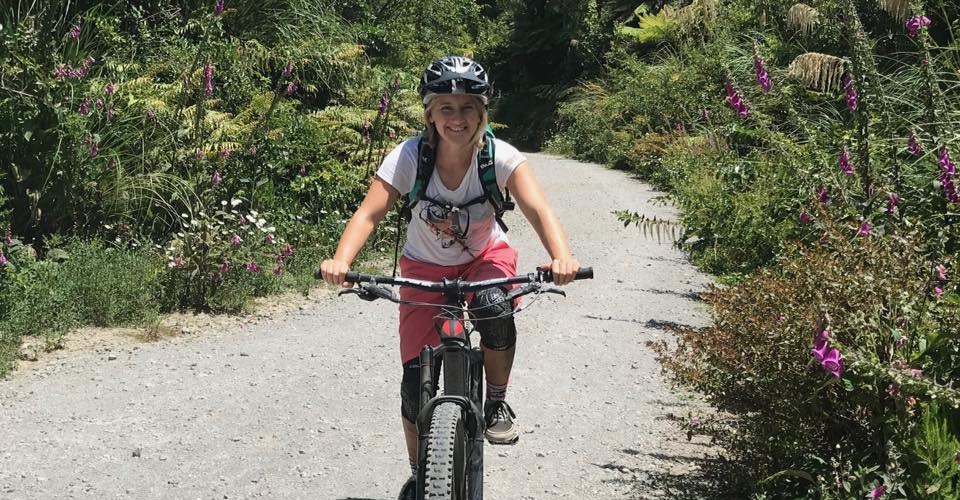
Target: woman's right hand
{"x": 334, "y": 272}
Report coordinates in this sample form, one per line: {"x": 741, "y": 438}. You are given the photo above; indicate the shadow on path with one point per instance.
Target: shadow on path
{"x": 714, "y": 478}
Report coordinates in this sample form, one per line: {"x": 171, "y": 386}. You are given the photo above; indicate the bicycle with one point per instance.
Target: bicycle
{"x": 451, "y": 425}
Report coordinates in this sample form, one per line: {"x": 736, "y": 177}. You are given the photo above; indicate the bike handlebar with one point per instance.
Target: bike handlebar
{"x": 457, "y": 284}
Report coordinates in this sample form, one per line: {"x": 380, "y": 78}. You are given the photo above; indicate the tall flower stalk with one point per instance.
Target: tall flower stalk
{"x": 759, "y": 67}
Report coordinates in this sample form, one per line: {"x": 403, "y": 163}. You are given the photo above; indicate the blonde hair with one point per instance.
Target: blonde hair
{"x": 433, "y": 137}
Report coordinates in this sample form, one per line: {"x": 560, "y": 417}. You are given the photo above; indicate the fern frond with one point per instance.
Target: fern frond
{"x": 817, "y": 71}
{"x": 803, "y": 17}
{"x": 650, "y": 226}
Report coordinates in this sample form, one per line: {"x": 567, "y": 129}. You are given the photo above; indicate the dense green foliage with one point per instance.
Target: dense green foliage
{"x": 807, "y": 147}
{"x": 196, "y": 154}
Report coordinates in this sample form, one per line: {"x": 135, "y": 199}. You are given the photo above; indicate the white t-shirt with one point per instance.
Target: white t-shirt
{"x": 436, "y": 234}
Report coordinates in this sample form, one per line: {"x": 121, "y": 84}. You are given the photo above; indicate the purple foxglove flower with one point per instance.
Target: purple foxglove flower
{"x": 805, "y": 217}
{"x": 287, "y": 250}
{"x": 291, "y": 88}
{"x": 111, "y": 111}
{"x": 384, "y": 103}
{"x": 845, "y": 164}
{"x": 941, "y": 272}
{"x": 736, "y": 102}
{"x": 878, "y": 491}
{"x": 865, "y": 229}
{"x": 937, "y": 291}
{"x": 900, "y": 342}
{"x": 84, "y": 109}
{"x": 277, "y": 271}
{"x": 850, "y": 92}
{"x": 110, "y": 88}
{"x": 252, "y": 267}
{"x": 208, "y": 79}
{"x": 235, "y": 240}
{"x": 949, "y": 189}
{"x": 218, "y": 8}
{"x": 820, "y": 351}
{"x": 763, "y": 78}
{"x": 94, "y": 149}
{"x": 821, "y": 338}
{"x": 946, "y": 165}
{"x": 217, "y": 178}
{"x": 832, "y": 362}
{"x": 75, "y": 31}
{"x": 893, "y": 390}
{"x": 287, "y": 71}
{"x": 892, "y": 202}
{"x": 225, "y": 267}
{"x": 225, "y": 153}
{"x": 914, "y": 24}
{"x": 3, "y": 259}
{"x": 695, "y": 421}
{"x": 913, "y": 145}
{"x": 916, "y": 373}
{"x": 269, "y": 238}
{"x": 98, "y": 103}
{"x": 822, "y": 196}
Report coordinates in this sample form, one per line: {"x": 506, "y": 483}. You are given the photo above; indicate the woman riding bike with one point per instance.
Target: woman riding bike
{"x": 455, "y": 231}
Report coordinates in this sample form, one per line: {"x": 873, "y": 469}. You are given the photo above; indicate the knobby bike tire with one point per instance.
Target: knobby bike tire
{"x": 448, "y": 449}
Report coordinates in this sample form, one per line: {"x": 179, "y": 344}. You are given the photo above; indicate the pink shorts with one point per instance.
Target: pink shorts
{"x": 417, "y": 323}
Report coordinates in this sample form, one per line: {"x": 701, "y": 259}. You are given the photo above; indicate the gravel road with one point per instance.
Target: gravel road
{"x": 304, "y": 404}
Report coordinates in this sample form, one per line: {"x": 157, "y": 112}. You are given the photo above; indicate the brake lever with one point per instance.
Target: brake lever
{"x": 363, "y": 294}
{"x": 552, "y": 289}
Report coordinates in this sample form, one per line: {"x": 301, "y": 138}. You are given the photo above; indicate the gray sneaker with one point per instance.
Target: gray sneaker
{"x": 501, "y": 429}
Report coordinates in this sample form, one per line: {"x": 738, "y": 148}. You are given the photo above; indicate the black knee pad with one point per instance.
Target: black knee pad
{"x": 410, "y": 388}
{"x": 497, "y": 334}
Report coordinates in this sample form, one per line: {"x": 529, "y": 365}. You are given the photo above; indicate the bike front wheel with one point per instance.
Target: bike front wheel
{"x": 448, "y": 452}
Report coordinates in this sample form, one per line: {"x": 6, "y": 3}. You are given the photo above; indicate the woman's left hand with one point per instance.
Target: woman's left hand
{"x": 564, "y": 269}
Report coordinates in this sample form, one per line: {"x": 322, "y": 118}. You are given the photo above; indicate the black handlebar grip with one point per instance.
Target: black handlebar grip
{"x": 585, "y": 273}
{"x": 317, "y": 275}
{"x": 352, "y": 277}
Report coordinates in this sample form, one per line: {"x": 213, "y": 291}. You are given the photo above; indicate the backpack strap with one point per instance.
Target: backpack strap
{"x": 426, "y": 159}
{"x": 488, "y": 179}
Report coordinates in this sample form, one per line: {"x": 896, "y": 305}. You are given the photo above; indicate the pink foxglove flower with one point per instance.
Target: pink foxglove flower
{"x": 845, "y": 164}
{"x": 225, "y": 153}
{"x": 821, "y": 338}
{"x": 110, "y": 88}
{"x": 805, "y": 217}
{"x": 287, "y": 71}
{"x": 94, "y": 149}
{"x": 865, "y": 229}
{"x": 900, "y": 342}
{"x": 218, "y": 8}
{"x": 225, "y": 267}
{"x": 956, "y": 458}
{"x": 287, "y": 250}
{"x": 277, "y": 271}
{"x": 208, "y": 79}
{"x": 914, "y": 24}
{"x": 878, "y": 491}
{"x": 913, "y": 145}
{"x": 822, "y": 196}
{"x": 84, "y": 109}
{"x": 75, "y": 32}
{"x": 763, "y": 77}
{"x": 216, "y": 178}
{"x": 820, "y": 352}
{"x": 941, "y": 272}
{"x": 384, "y": 103}
{"x": 3, "y": 259}
{"x": 832, "y": 362}
{"x": 736, "y": 102}
{"x": 291, "y": 88}
{"x": 252, "y": 267}
{"x": 937, "y": 291}
{"x": 235, "y": 240}
{"x": 850, "y": 92}
{"x": 946, "y": 165}
{"x": 892, "y": 202}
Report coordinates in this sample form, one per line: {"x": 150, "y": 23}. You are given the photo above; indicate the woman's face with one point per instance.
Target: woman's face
{"x": 457, "y": 118}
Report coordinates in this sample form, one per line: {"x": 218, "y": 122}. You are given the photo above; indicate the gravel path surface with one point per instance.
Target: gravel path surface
{"x": 305, "y": 404}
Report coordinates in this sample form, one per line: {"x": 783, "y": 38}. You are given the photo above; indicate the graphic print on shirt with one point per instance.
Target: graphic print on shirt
{"x": 449, "y": 224}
